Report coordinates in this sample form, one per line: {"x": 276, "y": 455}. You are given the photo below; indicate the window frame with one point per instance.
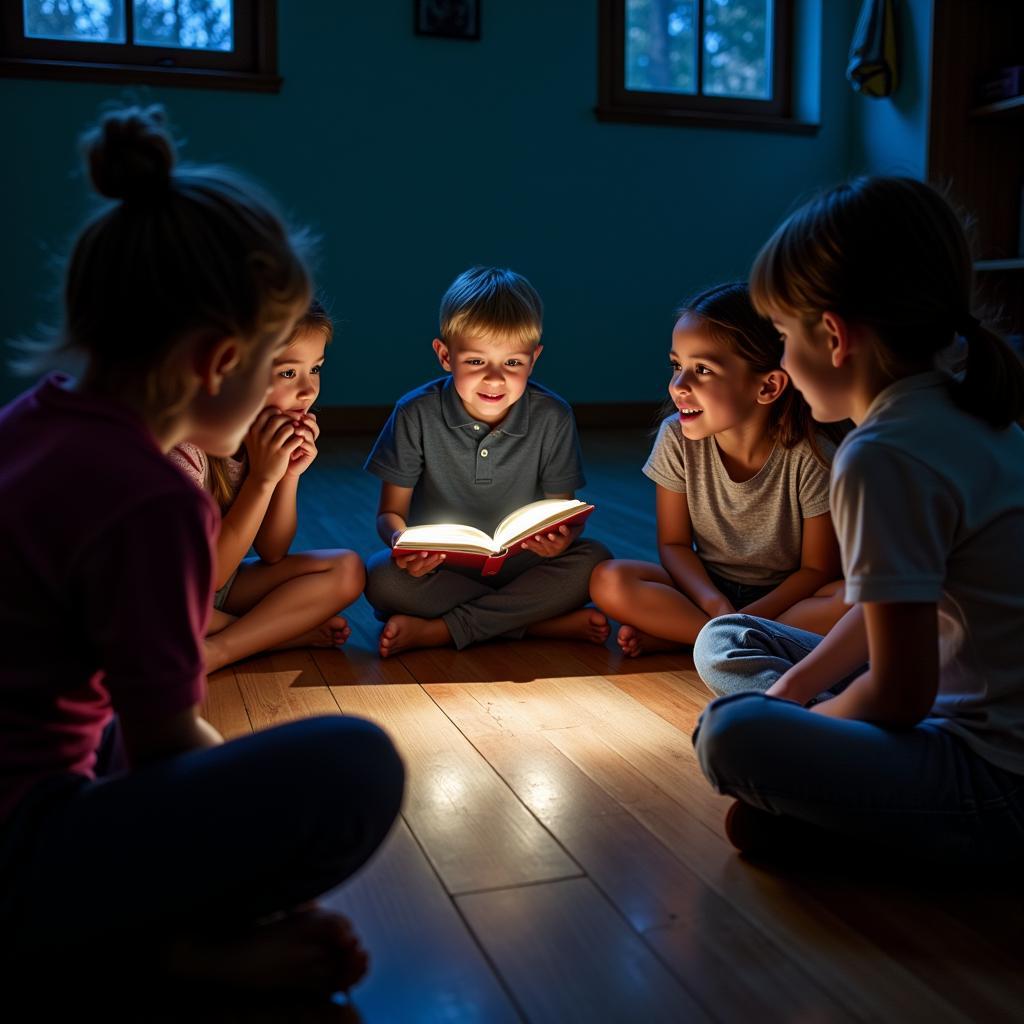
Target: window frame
{"x": 617, "y": 103}
{"x": 251, "y": 64}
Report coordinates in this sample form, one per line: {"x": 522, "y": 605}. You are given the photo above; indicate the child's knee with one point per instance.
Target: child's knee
{"x": 386, "y": 586}
{"x": 728, "y": 738}
{"x": 606, "y": 581}
{"x": 348, "y": 576}
{"x": 715, "y": 648}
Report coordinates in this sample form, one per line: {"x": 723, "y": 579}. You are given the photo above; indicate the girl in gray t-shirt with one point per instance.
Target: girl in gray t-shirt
{"x": 742, "y": 497}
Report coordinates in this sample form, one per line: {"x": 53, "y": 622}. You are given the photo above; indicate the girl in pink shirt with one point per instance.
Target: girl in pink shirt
{"x": 133, "y": 840}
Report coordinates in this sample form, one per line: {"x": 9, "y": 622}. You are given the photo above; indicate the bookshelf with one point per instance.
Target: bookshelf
{"x": 976, "y": 149}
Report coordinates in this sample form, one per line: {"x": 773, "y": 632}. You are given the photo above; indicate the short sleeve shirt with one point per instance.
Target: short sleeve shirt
{"x": 748, "y": 531}
{"x": 464, "y": 471}
{"x": 106, "y": 583}
{"x": 928, "y": 503}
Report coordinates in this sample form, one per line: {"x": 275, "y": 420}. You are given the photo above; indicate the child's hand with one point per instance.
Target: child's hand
{"x": 552, "y": 544}
{"x": 303, "y": 456}
{"x": 419, "y": 563}
{"x": 271, "y": 440}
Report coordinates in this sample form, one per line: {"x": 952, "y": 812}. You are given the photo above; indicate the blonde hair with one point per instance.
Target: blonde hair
{"x": 181, "y": 251}
{"x": 488, "y": 300}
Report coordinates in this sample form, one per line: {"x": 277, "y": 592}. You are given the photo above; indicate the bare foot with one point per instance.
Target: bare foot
{"x": 310, "y": 951}
{"x": 406, "y": 632}
{"x": 583, "y": 624}
{"x": 332, "y": 633}
{"x": 635, "y": 641}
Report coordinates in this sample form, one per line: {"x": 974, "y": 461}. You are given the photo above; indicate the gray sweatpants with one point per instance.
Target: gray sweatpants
{"x": 528, "y": 589}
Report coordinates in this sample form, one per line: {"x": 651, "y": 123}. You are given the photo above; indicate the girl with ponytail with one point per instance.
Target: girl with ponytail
{"x": 904, "y": 727}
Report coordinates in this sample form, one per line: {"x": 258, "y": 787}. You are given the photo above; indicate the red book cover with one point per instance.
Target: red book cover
{"x": 466, "y": 546}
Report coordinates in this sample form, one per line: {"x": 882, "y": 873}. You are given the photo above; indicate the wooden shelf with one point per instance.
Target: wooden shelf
{"x": 1013, "y": 107}
{"x": 1017, "y": 263}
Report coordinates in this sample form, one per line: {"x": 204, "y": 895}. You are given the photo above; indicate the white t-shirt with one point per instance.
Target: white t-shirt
{"x": 928, "y": 505}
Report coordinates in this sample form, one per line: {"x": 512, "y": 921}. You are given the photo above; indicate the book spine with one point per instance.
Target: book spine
{"x": 493, "y": 563}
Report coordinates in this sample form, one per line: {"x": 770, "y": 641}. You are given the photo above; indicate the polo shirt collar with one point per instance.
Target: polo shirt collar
{"x": 515, "y": 424}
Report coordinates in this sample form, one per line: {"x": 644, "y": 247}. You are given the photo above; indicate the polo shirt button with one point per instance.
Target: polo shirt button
{"x": 476, "y": 426}
{"x": 483, "y": 453}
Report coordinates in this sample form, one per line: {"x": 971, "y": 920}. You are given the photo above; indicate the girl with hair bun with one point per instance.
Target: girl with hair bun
{"x": 921, "y": 750}
{"x": 119, "y": 805}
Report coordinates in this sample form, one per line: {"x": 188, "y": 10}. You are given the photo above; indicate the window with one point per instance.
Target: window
{"x": 712, "y": 62}
{"x": 208, "y": 43}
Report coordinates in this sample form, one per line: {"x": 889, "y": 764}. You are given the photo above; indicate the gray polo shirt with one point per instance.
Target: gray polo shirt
{"x": 463, "y": 471}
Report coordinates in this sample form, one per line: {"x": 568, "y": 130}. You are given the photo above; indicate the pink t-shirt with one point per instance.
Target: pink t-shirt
{"x": 195, "y": 464}
{"x": 105, "y": 584}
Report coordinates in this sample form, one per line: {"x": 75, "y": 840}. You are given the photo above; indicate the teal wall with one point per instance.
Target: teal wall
{"x": 891, "y": 134}
{"x": 414, "y": 158}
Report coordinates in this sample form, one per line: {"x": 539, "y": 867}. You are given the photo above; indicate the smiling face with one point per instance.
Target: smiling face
{"x": 490, "y": 372}
{"x": 713, "y": 388}
{"x": 296, "y": 374}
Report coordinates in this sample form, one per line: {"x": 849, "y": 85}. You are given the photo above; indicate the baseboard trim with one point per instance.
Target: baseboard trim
{"x": 368, "y": 419}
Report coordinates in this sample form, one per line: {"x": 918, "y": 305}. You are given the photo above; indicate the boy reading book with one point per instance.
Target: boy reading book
{"x": 471, "y": 448}
{"x": 466, "y": 545}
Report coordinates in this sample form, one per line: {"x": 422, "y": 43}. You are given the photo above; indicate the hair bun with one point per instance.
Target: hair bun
{"x": 129, "y": 154}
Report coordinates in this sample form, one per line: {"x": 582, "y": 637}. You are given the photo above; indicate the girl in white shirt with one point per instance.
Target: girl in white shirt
{"x": 921, "y": 746}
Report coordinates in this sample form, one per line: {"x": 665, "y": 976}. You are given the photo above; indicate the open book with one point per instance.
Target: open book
{"x": 465, "y": 545}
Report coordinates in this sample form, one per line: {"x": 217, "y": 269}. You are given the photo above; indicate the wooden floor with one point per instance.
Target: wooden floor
{"x": 560, "y": 858}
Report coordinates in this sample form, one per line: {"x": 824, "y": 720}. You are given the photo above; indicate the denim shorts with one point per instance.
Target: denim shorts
{"x": 739, "y": 594}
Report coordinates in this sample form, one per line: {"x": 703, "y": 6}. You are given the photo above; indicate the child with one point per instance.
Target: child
{"x": 470, "y": 448}
{"x": 923, "y": 752}
{"x": 200, "y": 857}
{"x": 742, "y": 490}
{"x": 278, "y": 600}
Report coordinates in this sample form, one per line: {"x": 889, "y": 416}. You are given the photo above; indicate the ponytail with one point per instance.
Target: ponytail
{"x": 992, "y": 387}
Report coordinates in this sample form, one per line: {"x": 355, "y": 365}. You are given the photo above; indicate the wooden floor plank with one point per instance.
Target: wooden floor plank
{"x": 425, "y": 966}
{"x": 358, "y": 665}
{"x": 679, "y": 696}
{"x": 869, "y": 984}
{"x": 224, "y": 707}
{"x": 568, "y": 956}
{"x": 282, "y": 687}
{"x": 698, "y": 934}
{"x": 476, "y": 832}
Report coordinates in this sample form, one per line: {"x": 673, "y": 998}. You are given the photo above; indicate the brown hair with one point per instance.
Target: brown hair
{"x": 728, "y": 316}
{"x": 181, "y": 251}
{"x": 892, "y": 254}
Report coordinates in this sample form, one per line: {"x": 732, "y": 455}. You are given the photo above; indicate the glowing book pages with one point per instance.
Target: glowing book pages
{"x": 465, "y": 545}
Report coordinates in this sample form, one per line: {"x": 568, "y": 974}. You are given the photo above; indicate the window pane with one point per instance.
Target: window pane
{"x": 89, "y": 21}
{"x": 661, "y": 45}
{"x": 189, "y": 24}
{"x": 737, "y": 48}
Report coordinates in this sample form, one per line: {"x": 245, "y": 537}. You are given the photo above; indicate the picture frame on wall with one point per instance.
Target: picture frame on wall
{"x": 450, "y": 19}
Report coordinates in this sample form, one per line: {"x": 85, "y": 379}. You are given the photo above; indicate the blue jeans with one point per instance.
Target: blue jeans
{"x": 210, "y": 839}
{"x": 920, "y": 790}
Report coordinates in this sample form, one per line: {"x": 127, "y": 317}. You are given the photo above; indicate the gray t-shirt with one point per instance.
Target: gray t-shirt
{"x": 929, "y": 507}
{"x": 749, "y": 531}
{"x": 462, "y": 470}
